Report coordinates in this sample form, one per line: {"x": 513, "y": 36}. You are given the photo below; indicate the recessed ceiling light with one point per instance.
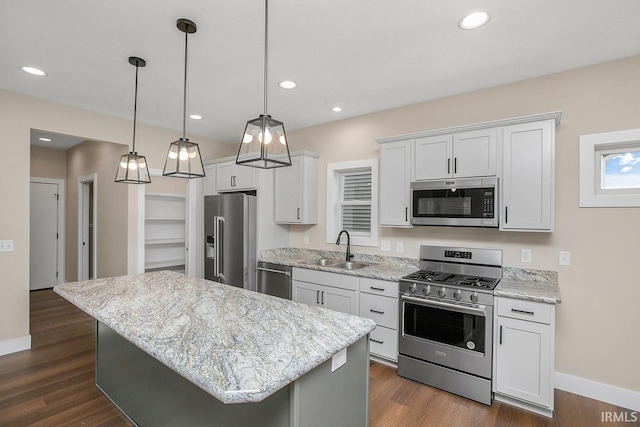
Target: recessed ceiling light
{"x": 195, "y": 117}
{"x": 34, "y": 71}
{"x": 45, "y": 139}
{"x": 288, "y": 84}
{"x": 474, "y": 20}
{"x": 336, "y": 109}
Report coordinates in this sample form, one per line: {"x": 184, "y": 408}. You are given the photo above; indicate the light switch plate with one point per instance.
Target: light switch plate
{"x": 399, "y": 246}
{"x": 385, "y": 245}
{"x": 306, "y": 240}
{"x": 338, "y": 359}
{"x": 525, "y": 255}
{"x": 6, "y": 245}
{"x": 564, "y": 258}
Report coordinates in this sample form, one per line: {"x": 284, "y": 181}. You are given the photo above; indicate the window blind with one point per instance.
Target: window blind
{"x": 356, "y": 201}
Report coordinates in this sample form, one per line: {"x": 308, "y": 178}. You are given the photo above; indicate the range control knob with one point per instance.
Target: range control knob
{"x": 442, "y": 292}
{"x": 413, "y": 288}
{"x": 457, "y": 295}
{"x": 474, "y": 297}
{"x": 426, "y": 290}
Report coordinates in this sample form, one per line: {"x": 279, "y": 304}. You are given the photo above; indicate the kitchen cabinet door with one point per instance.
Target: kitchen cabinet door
{"x": 433, "y": 157}
{"x": 306, "y": 293}
{"x": 395, "y": 184}
{"x": 339, "y": 300}
{"x": 296, "y": 190}
{"x": 528, "y": 176}
{"x": 233, "y": 177}
{"x": 475, "y": 153}
{"x": 523, "y": 360}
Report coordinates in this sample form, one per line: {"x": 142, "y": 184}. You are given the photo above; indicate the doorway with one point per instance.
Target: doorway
{"x": 46, "y": 247}
{"x": 87, "y": 230}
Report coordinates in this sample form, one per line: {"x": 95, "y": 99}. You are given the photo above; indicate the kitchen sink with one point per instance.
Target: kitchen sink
{"x": 350, "y": 265}
{"x": 324, "y": 262}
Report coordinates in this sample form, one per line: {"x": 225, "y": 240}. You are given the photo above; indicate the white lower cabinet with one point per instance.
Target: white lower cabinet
{"x": 328, "y": 290}
{"x": 524, "y": 353}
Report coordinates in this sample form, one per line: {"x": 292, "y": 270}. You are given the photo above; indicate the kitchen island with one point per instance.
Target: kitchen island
{"x": 178, "y": 350}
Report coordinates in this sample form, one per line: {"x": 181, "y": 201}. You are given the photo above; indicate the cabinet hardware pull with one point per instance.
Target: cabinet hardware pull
{"x": 406, "y": 213}
{"x": 515, "y": 310}
{"x": 317, "y": 297}
{"x": 376, "y": 289}
{"x": 506, "y": 214}
{"x": 298, "y": 213}
{"x": 455, "y": 165}
{"x": 376, "y": 311}
{"x": 448, "y": 165}
{"x": 322, "y": 297}
{"x": 500, "y": 334}
{"x": 376, "y": 341}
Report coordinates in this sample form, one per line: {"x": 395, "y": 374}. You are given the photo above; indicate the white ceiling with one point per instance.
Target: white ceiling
{"x": 363, "y": 55}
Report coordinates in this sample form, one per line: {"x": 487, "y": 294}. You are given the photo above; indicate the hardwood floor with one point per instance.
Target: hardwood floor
{"x": 53, "y": 385}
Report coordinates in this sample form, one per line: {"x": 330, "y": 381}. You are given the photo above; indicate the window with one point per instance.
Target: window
{"x": 352, "y": 201}
{"x": 610, "y": 169}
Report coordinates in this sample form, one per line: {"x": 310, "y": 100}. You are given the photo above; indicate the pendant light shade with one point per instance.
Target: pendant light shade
{"x": 183, "y": 158}
{"x": 264, "y": 142}
{"x": 133, "y": 168}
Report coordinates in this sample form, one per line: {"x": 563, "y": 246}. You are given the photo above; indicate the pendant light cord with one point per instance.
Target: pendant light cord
{"x": 184, "y": 103}
{"x": 266, "y": 50}
{"x": 135, "y": 110}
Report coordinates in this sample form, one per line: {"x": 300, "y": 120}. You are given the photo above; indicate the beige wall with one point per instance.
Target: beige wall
{"x": 48, "y": 163}
{"x": 98, "y": 158}
{"x": 18, "y": 115}
{"x": 596, "y": 335}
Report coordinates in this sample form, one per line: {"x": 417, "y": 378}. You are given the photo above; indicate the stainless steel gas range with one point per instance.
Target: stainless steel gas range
{"x": 446, "y": 320}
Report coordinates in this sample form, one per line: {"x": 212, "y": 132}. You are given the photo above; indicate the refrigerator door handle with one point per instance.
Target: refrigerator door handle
{"x": 218, "y": 233}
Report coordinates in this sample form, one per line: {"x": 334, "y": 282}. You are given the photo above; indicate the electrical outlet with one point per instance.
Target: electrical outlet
{"x": 399, "y": 246}
{"x": 306, "y": 240}
{"x": 564, "y": 258}
{"x": 6, "y": 245}
{"x": 385, "y": 245}
{"x": 338, "y": 359}
{"x": 525, "y": 255}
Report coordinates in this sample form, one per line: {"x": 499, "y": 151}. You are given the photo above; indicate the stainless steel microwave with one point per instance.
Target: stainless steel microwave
{"x": 466, "y": 202}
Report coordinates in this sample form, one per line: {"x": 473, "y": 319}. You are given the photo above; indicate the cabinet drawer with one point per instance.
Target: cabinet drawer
{"x": 524, "y": 310}
{"x": 342, "y": 281}
{"x": 383, "y": 342}
{"x": 379, "y": 287}
{"x": 382, "y": 310}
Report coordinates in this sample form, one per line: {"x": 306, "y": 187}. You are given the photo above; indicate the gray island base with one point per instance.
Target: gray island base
{"x": 151, "y": 394}
{"x": 173, "y": 350}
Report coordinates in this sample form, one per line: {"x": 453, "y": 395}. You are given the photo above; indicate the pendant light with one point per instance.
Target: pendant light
{"x": 183, "y": 158}
{"x": 264, "y": 142}
{"x": 133, "y": 168}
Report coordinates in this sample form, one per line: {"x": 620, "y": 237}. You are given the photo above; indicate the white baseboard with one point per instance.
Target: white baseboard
{"x": 624, "y": 398}
{"x": 15, "y": 345}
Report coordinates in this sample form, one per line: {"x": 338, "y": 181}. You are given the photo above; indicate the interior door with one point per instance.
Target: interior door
{"x": 43, "y": 252}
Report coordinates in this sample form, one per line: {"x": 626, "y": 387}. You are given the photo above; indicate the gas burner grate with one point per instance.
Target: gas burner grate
{"x": 452, "y": 279}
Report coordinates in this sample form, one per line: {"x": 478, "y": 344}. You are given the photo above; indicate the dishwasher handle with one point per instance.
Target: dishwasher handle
{"x": 271, "y": 270}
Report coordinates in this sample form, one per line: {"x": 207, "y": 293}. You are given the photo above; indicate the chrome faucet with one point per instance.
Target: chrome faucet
{"x": 349, "y": 255}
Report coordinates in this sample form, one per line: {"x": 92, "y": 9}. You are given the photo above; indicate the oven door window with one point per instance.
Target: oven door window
{"x": 454, "y": 203}
{"x": 462, "y": 330}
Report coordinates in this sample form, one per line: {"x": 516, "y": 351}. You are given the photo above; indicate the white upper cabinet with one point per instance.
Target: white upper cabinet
{"x": 458, "y": 155}
{"x": 233, "y": 177}
{"x": 395, "y": 180}
{"x": 296, "y": 190}
{"x": 528, "y": 176}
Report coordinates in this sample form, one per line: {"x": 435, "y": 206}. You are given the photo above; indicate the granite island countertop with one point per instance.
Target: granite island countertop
{"x": 380, "y": 267}
{"x": 532, "y": 285}
{"x": 237, "y": 345}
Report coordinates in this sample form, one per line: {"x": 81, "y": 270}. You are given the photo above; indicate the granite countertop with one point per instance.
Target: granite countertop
{"x": 380, "y": 267}
{"x": 532, "y": 285}
{"x": 237, "y": 345}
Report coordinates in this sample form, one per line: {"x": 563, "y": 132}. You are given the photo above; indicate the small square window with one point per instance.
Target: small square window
{"x": 620, "y": 170}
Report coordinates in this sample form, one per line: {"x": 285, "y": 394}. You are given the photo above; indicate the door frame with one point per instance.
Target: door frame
{"x": 82, "y": 180}
{"x": 192, "y": 191}
{"x": 61, "y": 220}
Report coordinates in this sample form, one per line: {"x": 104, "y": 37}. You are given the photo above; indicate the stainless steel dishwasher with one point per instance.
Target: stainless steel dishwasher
{"x": 274, "y": 279}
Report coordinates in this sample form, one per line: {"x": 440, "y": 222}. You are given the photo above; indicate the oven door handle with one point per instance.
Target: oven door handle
{"x": 447, "y": 306}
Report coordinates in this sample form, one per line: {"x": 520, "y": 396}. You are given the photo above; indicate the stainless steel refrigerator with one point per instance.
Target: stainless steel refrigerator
{"x": 230, "y": 239}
